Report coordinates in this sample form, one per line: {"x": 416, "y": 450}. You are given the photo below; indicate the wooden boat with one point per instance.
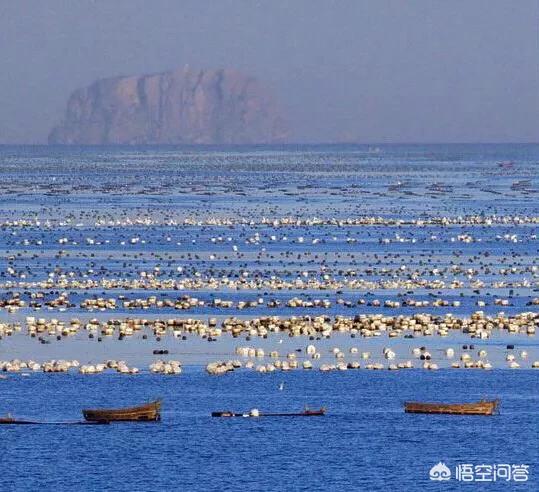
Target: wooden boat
{"x": 149, "y": 412}
{"x": 482, "y": 407}
{"x": 306, "y": 413}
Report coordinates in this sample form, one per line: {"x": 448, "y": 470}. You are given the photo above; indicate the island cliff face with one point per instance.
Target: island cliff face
{"x": 182, "y": 106}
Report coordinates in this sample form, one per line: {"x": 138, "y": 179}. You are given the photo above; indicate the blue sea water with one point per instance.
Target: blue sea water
{"x": 366, "y": 442}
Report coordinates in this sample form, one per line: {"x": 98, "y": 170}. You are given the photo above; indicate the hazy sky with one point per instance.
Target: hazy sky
{"x": 365, "y": 70}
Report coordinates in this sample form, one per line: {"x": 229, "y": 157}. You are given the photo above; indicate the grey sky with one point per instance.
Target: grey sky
{"x": 371, "y": 71}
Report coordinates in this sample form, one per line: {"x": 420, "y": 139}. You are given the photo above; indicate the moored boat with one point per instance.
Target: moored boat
{"x": 506, "y": 164}
{"x": 482, "y": 407}
{"x": 255, "y": 413}
{"x": 149, "y": 412}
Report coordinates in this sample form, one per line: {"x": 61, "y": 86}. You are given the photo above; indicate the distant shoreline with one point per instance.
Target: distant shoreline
{"x": 270, "y": 145}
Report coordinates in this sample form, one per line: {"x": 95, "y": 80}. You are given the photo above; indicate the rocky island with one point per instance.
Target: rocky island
{"x": 183, "y": 106}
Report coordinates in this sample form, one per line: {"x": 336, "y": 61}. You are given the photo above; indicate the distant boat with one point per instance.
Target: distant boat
{"x": 149, "y": 412}
{"x": 506, "y": 164}
{"x": 478, "y": 408}
{"x": 523, "y": 184}
{"x": 255, "y": 413}
{"x": 440, "y": 188}
{"x": 399, "y": 185}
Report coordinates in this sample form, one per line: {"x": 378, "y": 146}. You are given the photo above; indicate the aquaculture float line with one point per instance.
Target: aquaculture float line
{"x": 148, "y": 282}
{"x": 62, "y": 303}
{"x": 478, "y": 325}
{"x": 287, "y": 221}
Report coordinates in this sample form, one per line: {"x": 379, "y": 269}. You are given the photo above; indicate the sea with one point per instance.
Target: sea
{"x": 76, "y": 220}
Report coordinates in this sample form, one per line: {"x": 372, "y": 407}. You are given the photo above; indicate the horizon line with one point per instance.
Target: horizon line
{"x": 268, "y": 144}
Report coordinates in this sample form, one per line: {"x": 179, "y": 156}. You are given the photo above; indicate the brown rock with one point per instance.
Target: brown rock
{"x": 182, "y": 106}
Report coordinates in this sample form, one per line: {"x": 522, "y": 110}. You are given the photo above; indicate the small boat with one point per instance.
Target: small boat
{"x": 440, "y": 188}
{"x": 150, "y": 412}
{"x": 226, "y": 413}
{"x": 398, "y": 186}
{"x": 255, "y": 413}
{"x": 506, "y": 164}
{"x": 482, "y": 407}
{"x": 522, "y": 185}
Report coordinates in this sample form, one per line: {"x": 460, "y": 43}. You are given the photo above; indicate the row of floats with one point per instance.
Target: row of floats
{"x": 478, "y": 325}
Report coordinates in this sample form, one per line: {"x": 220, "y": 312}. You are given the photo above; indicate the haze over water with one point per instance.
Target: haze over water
{"x": 352, "y": 70}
